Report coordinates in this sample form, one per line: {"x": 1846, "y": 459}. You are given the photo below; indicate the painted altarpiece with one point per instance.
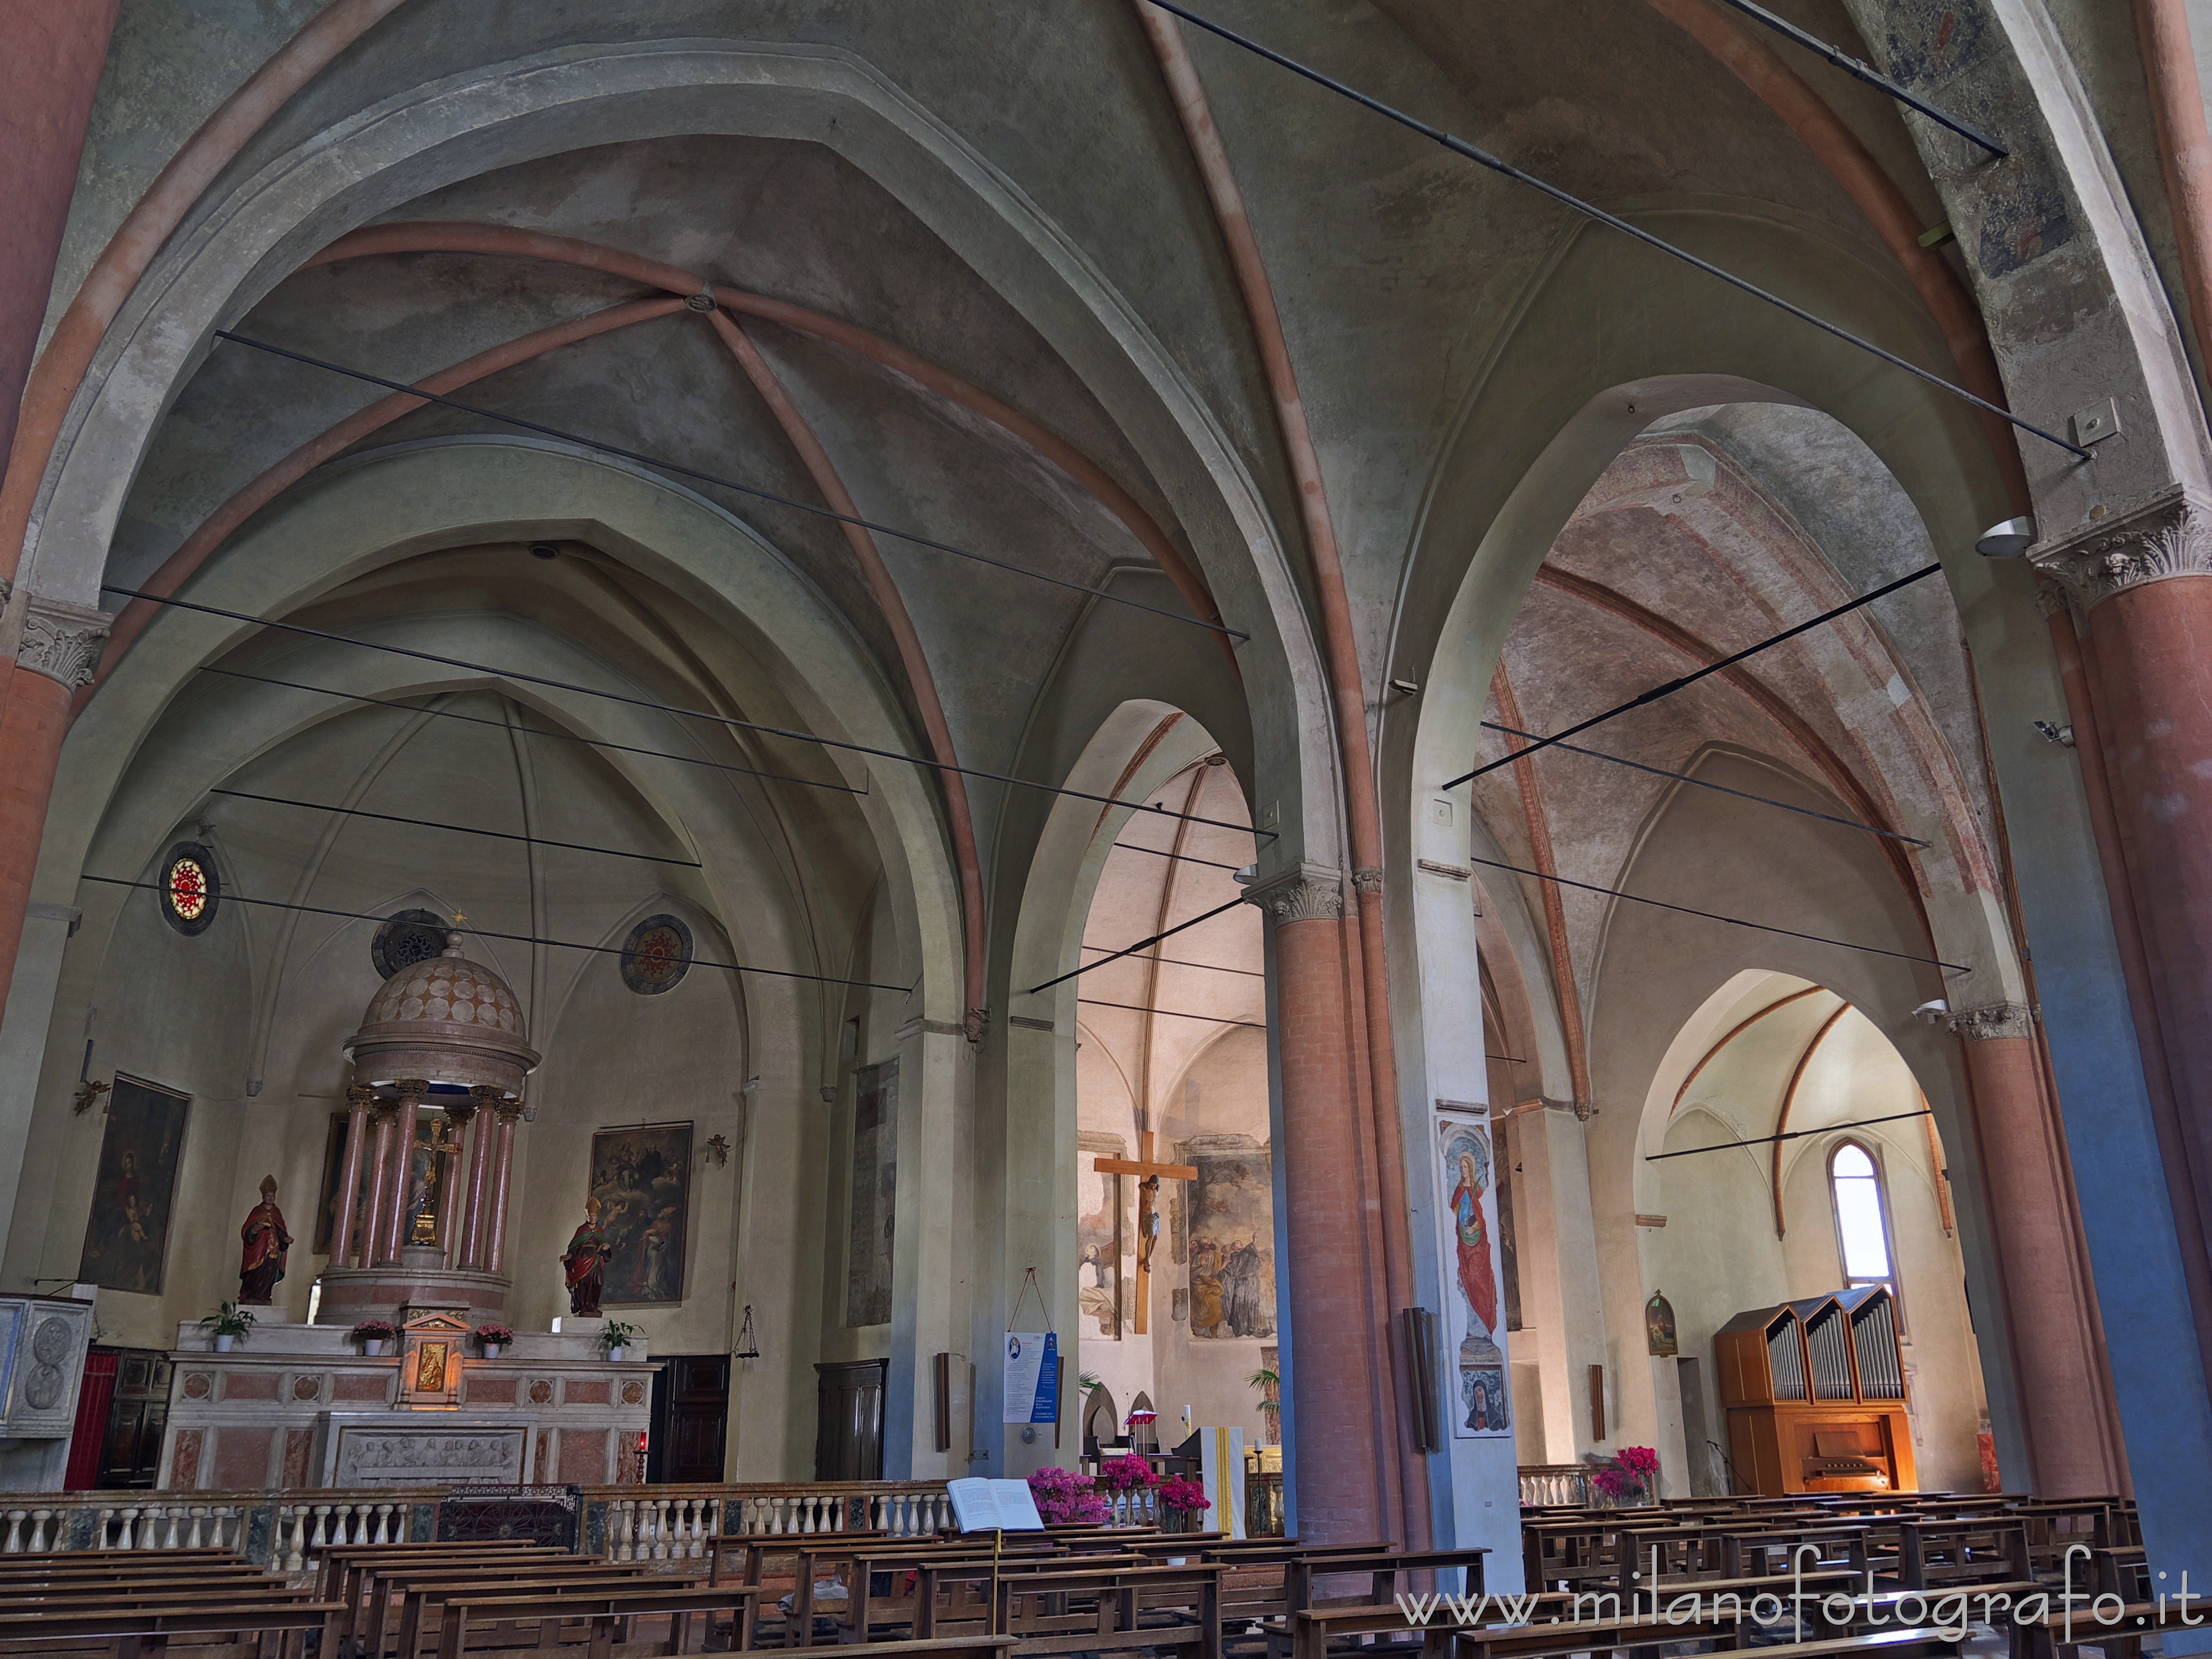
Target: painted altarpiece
{"x": 1467, "y": 1174}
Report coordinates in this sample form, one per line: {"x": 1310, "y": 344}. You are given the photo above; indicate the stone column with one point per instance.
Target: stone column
{"x": 452, "y": 1232}
{"x": 390, "y": 1225}
{"x": 471, "y": 1253}
{"x": 1337, "y": 1447}
{"x": 2049, "y": 1299}
{"x": 509, "y": 1112}
{"x": 383, "y": 1115}
{"x": 358, "y": 1101}
{"x": 57, "y": 648}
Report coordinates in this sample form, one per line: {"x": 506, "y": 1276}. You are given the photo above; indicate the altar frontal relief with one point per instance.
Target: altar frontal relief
{"x": 126, "y": 1238}
{"x": 1232, "y": 1238}
{"x": 643, "y": 1179}
{"x": 1469, "y": 1216}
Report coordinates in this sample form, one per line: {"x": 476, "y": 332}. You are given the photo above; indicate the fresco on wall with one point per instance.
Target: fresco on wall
{"x": 126, "y": 1236}
{"x": 1099, "y": 1230}
{"x": 642, "y": 1178}
{"x": 1469, "y": 1219}
{"x": 874, "y": 1195}
{"x": 1232, "y": 1237}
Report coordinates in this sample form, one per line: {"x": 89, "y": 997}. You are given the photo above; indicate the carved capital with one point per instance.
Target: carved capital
{"x": 1304, "y": 892}
{"x": 412, "y": 1088}
{"x": 382, "y": 1113}
{"x": 509, "y": 1110}
{"x": 62, "y": 640}
{"x": 1365, "y": 880}
{"x": 360, "y": 1098}
{"x": 1999, "y": 1019}
{"x": 2171, "y": 535}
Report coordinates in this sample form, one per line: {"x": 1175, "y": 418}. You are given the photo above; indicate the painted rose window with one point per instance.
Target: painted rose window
{"x": 190, "y": 889}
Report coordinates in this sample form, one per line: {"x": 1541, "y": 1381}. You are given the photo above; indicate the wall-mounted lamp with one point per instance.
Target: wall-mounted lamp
{"x": 748, "y": 1345}
{"x": 2008, "y": 540}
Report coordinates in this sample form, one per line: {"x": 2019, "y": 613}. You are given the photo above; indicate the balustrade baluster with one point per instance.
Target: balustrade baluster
{"x": 38, "y": 1529}
{"x": 383, "y": 1524}
{"x": 316, "y": 1545}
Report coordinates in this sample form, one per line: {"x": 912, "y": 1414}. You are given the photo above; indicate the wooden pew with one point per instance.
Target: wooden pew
{"x": 597, "y": 1617}
{"x": 1040, "y": 1609}
{"x": 417, "y": 1589}
{"x": 139, "y": 1633}
{"x": 1940, "y": 1554}
{"x": 1382, "y": 1569}
{"x": 341, "y": 1574}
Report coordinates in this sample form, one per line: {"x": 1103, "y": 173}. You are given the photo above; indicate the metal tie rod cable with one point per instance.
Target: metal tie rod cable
{"x": 1130, "y": 950}
{"x": 730, "y": 720}
{"x": 530, "y": 731}
{"x": 1693, "y": 677}
{"x": 1179, "y": 858}
{"x": 1210, "y": 967}
{"x": 716, "y": 480}
{"x": 456, "y": 829}
{"x": 1684, "y": 777}
{"x": 1174, "y": 1013}
{"x": 1733, "y": 921}
{"x": 516, "y": 939}
{"x": 1484, "y": 158}
{"x": 1866, "y": 72}
{"x": 1793, "y": 1134}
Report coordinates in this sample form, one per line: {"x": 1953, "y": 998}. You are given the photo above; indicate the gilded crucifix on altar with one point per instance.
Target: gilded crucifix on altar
{"x": 1149, "y": 1172}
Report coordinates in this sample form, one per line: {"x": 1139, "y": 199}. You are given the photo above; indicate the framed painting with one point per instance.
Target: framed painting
{"x": 873, "y": 1218}
{"x": 126, "y": 1236}
{"x": 1467, "y": 1177}
{"x": 642, "y": 1178}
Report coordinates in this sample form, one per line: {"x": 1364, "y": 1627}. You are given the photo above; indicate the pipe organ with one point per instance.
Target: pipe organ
{"x": 1814, "y": 1395}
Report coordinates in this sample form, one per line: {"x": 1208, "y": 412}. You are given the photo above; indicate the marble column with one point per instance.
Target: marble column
{"x": 383, "y": 1115}
{"x": 473, "y": 1214}
{"x": 509, "y": 1113}
{"x": 358, "y": 1101}
{"x": 2049, "y": 1299}
{"x": 1336, "y": 1366}
{"x": 392, "y": 1223}
{"x": 454, "y": 1217}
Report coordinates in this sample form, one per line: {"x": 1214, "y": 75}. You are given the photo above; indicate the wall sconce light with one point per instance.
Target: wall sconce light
{"x": 748, "y": 1345}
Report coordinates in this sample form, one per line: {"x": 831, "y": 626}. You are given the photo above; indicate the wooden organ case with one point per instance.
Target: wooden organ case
{"x": 1814, "y": 1395}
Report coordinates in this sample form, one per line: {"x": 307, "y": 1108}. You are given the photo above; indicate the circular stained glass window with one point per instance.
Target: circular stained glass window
{"x": 190, "y": 889}
{"x": 404, "y": 939}
{"x": 657, "y": 955}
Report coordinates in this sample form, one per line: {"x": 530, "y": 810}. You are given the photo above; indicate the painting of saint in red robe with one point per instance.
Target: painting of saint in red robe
{"x": 1469, "y": 1166}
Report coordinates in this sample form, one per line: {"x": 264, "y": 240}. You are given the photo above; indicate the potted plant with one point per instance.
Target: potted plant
{"x": 1631, "y": 1476}
{"x": 229, "y": 1321}
{"x": 1269, "y": 1382}
{"x": 1125, "y": 1479}
{"x": 1065, "y": 1499}
{"x": 1182, "y": 1499}
{"x": 373, "y": 1334}
{"x": 618, "y": 1337}
{"x": 493, "y": 1338}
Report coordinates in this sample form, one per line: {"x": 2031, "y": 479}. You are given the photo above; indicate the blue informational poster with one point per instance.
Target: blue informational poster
{"x": 1032, "y": 1378}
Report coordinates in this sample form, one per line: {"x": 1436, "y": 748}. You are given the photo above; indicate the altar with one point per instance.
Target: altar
{"x": 418, "y": 1246}
{"x": 301, "y": 1406}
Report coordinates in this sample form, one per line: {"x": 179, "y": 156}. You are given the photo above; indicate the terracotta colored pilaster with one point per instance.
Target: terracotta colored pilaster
{"x": 1340, "y": 1488}
{"x": 383, "y": 1114}
{"x": 470, "y": 1252}
{"x": 391, "y": 1227}
{"x": 454, "y": 1230}
{"x": 2045, "y": 1278}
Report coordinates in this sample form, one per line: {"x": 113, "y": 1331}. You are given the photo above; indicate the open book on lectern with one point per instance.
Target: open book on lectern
{"x": 979, "y": 1505}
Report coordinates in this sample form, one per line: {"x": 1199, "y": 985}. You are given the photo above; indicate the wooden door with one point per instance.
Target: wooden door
{"x": 131, "y": 1455}
{"x": 848, "y": 1439}
{"x": 690, "y": 1419}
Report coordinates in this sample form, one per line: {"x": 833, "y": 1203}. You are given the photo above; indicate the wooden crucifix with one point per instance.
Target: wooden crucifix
{"x": 1149, "y": 1173}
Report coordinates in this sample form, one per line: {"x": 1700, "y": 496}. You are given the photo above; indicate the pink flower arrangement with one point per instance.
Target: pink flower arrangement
{"x": 1184, "y": 1495}
{"x": 1124, "y": 1474}
{"x": 1633, "y": 1473}
{"x": 501, "y": 1334}
{"x": 1065, "y": 1499}
{"x": 1639, "y": 1459}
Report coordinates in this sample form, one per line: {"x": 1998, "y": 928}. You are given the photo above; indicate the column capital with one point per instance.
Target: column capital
{"x": 1304, "y": 892}
{"x": 508, "y": 1108}
{"x": 412, "y": 1089}
{"x": 2168, "y": 535}
{"x": 1998, "y": 1019}
{"x": 62, "y": 640}
{"x": 458, "y": 1112}
{"x": 381, "y": 1112}
{"x": 360, "y": 1096}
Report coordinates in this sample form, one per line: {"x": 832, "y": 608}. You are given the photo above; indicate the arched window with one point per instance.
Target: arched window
{"x": 1862, "y": 1219}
